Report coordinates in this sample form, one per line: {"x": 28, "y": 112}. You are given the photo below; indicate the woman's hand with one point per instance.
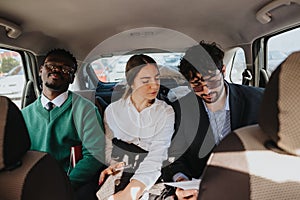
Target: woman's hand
{"x": 111, "y": 170}
{"x": 133, "y": 191}
{"x": 121, "y": 195}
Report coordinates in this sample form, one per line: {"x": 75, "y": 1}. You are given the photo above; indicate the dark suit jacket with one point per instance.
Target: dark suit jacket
{"x": 193, "y": 140}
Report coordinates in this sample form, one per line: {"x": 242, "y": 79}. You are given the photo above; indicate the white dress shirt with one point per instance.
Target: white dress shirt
{"x": 220, "y": 120}
{"x": 151, "y": 129}
{"x": 58, "y": 101}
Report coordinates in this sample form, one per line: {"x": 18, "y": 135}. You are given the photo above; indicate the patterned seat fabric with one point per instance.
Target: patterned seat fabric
{"x": 24, "y": 174}
{"x": 262, "y": 161}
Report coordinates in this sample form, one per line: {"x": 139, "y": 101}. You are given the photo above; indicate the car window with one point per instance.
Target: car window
{"x": 280, "y": 46}
{"x": 235, "y": 62}
{"x": 12, "y": 77}
{"x": 239, "y": 65}
{"x": 112, "y": 69}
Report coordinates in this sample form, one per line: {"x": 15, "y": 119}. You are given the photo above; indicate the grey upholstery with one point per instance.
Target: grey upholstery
{"x": 24, "y": 174}
{"x": 262, "y": 161}
{"x": 29, "y": 93}
{"x": 97, "y": 100}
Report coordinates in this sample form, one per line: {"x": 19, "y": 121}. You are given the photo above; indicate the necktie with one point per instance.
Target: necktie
{"x": 50, "y": 106}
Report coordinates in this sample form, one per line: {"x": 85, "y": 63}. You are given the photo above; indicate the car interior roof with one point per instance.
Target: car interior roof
{"x": 81, "y": 25}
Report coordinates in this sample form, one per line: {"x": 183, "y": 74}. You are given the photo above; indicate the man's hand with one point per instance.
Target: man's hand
{"x": 186, "y": 194}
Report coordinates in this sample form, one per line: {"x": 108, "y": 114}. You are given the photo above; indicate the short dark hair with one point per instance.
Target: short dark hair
{"x": 64, "y": 53}
{"x": 201, "y": 58}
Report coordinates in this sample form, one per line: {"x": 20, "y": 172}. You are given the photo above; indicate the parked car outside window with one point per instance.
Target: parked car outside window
{"x": 12, "y": 84}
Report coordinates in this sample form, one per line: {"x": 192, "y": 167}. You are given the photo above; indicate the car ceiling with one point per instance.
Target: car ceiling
{"x": 82, "y": 25}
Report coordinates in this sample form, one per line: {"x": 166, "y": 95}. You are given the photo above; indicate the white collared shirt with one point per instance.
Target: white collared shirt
{"x": 58, "y": 101}
{"x": 220, "y": 120}
{"x": 151, "y": 129}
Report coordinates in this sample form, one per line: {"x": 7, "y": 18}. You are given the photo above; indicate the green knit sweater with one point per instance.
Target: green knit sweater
{"x": 76, "y": 122}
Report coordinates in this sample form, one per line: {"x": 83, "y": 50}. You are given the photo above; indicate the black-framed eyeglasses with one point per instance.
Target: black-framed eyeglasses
{"x": 63, "y": 68}
{"x": 211, "y": 83}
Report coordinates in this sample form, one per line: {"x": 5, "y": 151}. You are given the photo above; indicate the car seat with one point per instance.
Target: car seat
{"x": 262, "y": 161}
{"x": 24, "y": 174}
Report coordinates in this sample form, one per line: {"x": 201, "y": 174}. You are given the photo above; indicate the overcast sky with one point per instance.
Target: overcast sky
{"x": 287, "y": 42}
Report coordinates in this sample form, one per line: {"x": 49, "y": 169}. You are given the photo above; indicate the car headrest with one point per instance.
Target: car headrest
{"x": 14, "y": 137}
{"x": 280, "y": 110}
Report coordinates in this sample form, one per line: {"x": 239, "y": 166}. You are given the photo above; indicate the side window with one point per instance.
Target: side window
{"x": 12, "y": 78}
{"x": 280, "y": 46}
{"x": 235, "y": 63}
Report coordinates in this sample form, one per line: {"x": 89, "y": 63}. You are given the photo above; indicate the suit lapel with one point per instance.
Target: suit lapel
{"x": 236, "y": 107}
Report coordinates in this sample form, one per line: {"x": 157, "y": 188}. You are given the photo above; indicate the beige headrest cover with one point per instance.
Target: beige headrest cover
{"x": 280, "y": 110}
{"x": 14, "y": 137}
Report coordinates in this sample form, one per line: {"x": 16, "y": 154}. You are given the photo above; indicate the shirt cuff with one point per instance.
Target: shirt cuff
{"x": 179, "y": 175}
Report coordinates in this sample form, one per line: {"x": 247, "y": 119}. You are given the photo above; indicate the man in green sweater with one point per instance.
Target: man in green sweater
{"x": 60, "y": 119}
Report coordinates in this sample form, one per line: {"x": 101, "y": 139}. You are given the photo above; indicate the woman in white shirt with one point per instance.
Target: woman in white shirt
{"x": 139, "y": 129}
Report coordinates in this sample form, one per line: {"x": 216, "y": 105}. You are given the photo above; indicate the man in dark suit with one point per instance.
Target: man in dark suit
{"x": 204, "y": 117}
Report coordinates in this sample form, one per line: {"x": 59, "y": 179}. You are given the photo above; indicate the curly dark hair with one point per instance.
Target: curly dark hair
{"x": 64, "y": 53}
{"x": 202, "y": 58}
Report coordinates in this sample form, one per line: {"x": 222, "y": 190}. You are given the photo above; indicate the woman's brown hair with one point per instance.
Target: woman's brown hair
{"x": 133, "y": 67}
